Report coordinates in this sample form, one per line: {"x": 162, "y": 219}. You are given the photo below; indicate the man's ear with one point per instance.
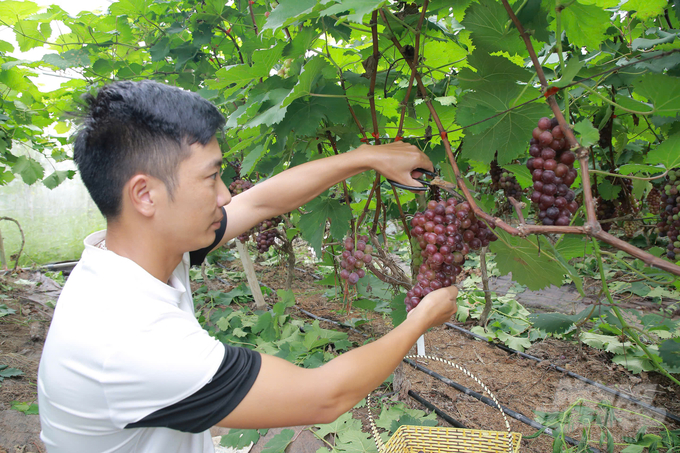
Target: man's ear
{"x": 144, "y": 192}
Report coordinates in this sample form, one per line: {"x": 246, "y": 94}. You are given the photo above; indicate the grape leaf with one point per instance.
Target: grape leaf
{"x": 552, "y": 323}
{"x": 240, "y": 438}
{"x": 343, "y": 423}
{"x": 12, "y": 11}
{"x": 508, "y": 133}
{"x": 355, "y": 442}
{"x": 520, "y": 257}
{"x": 644, "y": 9}
{"x": 360, "y": 8}
{"x": 585, "y": 25}
{"x": 487, "y": 21}
{"x": 607, "y": 190}
{"x": 6, "y": 372}
{"x": 308, "y": 76}
{"x": 516, "y": 343}
{"x": 662, "y": 90}
{"x": 669, "y": 351}
{"x": 667, "y": 152}
{"x": 490, "y": 69}
{"x": 574, "y": 65}
{"x": 58, "y": 177}
{"x": 279, "y": 442}
{"x": 588, "y": 135}
{"x": 29, "y": 169}
{"x": 313, "y": 224}
{"x": 573, "y": 246}
{"x": 287, "y": 12}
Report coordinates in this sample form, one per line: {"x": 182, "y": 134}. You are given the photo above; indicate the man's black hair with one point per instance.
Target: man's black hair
{"x": 139, "y": 127}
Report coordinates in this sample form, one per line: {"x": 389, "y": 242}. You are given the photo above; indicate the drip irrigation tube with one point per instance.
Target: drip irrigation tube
{"x": 489, "y": 402}
{"x": 575, "y": 376}
{"x": 436, "y": 410}
{"x": 319, "y": 318}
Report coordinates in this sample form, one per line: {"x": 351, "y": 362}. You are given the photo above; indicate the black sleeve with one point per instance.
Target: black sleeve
{"x": 205, "y": 408}
{"x": 197, "y": 256}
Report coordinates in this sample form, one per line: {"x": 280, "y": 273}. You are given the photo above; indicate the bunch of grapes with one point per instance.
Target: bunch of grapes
{"x": 446, "y": 232}
{"x": 502, "y": 179}
{"x": 552, "y": 169}
{"x": 654, "y": 201}
{"x": 267, "y": 234}
{"x": 355, "y": 257}
{"x": 263, "y": 234}
{"x": 606, "y": 209}
{"x": 670, "y": 214}
{"x": 239, "y": 186}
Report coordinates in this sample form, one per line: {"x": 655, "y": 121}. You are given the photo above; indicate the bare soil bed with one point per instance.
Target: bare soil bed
{"x": 520, "y": 384}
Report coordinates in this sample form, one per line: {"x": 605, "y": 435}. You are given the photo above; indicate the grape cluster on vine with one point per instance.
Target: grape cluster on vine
{"x": 654, "y": 201}
{"x": 446, "y": 232}
{"x": 504, "y": 180}
{"x": 265, "y": 233}
{"x": 670, "y": 214}
{"x": 552, "y": 170}
{"x": 355, "y": 256}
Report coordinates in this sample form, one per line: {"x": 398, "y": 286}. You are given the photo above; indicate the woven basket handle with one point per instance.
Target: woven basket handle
{"x": 374, "y": 429}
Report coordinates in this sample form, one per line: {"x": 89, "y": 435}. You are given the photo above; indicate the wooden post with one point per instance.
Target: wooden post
{"x": 252, "y": 277}
{"x": 3, "y": 258}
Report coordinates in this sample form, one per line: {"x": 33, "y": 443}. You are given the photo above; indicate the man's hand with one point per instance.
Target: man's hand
{"x": 437, "y": 307}
{"x": 396, "y": 161}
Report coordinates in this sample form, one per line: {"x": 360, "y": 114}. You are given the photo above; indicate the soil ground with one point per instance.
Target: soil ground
{"x": 520, "y": 384}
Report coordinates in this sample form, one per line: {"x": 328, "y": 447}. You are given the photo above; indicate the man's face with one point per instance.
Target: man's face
{"x": 191, "y": 219}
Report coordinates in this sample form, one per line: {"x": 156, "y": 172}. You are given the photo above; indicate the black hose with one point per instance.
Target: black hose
{"x": 574, "y": 375}
{"x": 319, "y": 318}
{"x": 436, "y": 410}
{"x": 488, "y": 401}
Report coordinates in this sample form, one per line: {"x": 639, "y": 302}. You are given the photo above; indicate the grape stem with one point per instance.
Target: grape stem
{"x": 518, "y": 209}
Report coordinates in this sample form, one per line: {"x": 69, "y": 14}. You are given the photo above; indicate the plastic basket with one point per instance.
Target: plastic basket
{"x": 426, "y": 439}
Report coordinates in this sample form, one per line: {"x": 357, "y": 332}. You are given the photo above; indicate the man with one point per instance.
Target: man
{"x": 126, "y": 367}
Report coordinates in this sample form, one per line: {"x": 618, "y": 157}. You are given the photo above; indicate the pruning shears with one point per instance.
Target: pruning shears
{"x": 424, "y": 182}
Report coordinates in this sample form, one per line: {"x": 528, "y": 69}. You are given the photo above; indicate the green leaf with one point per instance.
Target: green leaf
{"x": 490, "y": 69}
{"x": 585, "y": 25}
{"x": 343, "y": 423}
{"x": 287, "y": 11}
{"x": 520, "y": 257}
{"x": 12, "y": 11}
{"x": 669, "y": 351}
{"x": 608, "y": 191}
{"x": 487, "y": 22}
{"x": 552, "y": 323}
{"x": 310, "y": 71}
{"x": 645, "y": 8}
{"x": 355, "y": 442}
{"x": 661, "y": 90}
{"x": 313, "y": 224}
{"x": 516, "y": 343}
{"x": 398, "y": 307}
{"x": 69, "y": 59}
{"x": 279, "y": 442}
{"x": 505, "y": 133}
{"x": 359, "y": 8}
{"x": 9, "y": 372}
{"x": 29, "y": 169}
{"x": 574, "y": 246}
{"x": 26, "y": 408}
{"x": 574, "y": 65}
{"x": 240, "y": 438}
{"x": 667, "y": 152}
{"x": 588, "y": 135}
{"x": 58, "y": 177}
{"x": 5, "y": 310}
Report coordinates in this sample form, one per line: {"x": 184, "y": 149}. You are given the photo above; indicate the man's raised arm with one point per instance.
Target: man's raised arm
{"x": 294, "y": 187}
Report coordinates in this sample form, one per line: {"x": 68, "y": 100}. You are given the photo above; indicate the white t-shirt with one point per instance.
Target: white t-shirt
{"x": 123, "y": 346}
